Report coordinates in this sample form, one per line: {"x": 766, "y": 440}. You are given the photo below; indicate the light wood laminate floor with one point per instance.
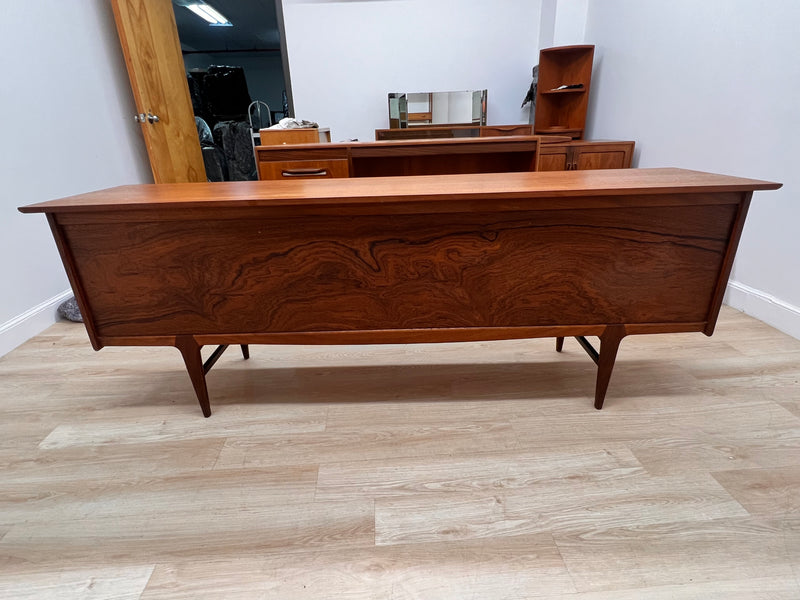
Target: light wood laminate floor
{"x": 463, "y": 471}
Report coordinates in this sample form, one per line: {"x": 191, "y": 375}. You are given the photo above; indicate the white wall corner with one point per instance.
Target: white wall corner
{"x": 30, "y": 323}
{"x": 764, "y": 307}
{"x": 570, "y": 22}
{"x": 547, "y": 23}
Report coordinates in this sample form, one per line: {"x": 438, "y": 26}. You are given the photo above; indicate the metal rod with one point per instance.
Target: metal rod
{"x": 593, "y": 354}
{"x": 214, "y": 358}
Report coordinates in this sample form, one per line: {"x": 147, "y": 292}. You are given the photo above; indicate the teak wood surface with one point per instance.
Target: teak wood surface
{"x": 403, "y": 260}
{"x": 403, "y": 157}
{"x": 149, "y": 41}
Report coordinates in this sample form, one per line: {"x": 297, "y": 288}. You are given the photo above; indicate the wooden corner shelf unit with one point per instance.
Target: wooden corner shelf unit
{"x": 559, "y": 109}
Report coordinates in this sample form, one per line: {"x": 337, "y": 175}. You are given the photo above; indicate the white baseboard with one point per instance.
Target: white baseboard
{"x": 30, "y": 323}
{"x": 764, "y": 307}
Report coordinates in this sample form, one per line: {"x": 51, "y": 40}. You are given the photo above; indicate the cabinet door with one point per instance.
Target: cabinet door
{"x": 554, "y": 157}
{"x": 602, "y": 156}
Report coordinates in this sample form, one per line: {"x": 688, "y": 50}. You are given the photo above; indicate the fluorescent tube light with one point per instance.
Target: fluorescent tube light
{"x": 195, "y": 8}
{"x": 215, "y": 14}
{"x": 208, "y": 13}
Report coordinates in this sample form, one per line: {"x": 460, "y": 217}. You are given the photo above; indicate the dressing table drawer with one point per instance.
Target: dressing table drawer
{"x": 303, "y": 169}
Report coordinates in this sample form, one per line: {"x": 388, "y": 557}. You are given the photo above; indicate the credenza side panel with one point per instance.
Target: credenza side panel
{"x": 265, "y": 274}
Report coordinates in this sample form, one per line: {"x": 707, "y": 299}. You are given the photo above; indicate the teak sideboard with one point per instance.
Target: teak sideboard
{"x": 402, "y": 259}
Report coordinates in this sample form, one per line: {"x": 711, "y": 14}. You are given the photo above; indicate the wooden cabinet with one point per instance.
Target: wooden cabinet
{"x": 496, "y": 154}
{"x": 584, "y": 155}
{"x": 562, "y": 95}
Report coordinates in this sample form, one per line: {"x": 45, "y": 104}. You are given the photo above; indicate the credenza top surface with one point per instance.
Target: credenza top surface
{"x": 330, "y": 192}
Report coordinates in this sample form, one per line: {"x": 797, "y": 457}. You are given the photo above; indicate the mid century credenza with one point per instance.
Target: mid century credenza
{"x": 605, "y": 253}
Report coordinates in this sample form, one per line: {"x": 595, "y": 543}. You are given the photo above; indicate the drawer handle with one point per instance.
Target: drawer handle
{"x": 304, "y": 172}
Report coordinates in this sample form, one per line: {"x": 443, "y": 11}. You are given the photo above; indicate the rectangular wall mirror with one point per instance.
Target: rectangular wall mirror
{"x": 437, "y": 108}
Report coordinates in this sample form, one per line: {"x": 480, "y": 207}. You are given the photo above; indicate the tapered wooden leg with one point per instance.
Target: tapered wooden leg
{"x": 190, "y": 350}
{"x": 559, "y": 344}
{"x": 245, "y": 351}
{"x": 609, "y": 344}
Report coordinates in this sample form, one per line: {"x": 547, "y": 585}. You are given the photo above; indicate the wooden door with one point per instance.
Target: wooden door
{"x": 554, "y": 157}
{"x": 153, "y": 57}
{"x": 602, "y": 156}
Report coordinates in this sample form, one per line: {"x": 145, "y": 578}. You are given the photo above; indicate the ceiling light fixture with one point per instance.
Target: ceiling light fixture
{"x": 209, "y": 13}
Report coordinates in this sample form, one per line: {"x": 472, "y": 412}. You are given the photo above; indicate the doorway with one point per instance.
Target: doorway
{"x": 154, "y": 56}
{"x": 250, "y": 44}
{"x": 234, "y": 60}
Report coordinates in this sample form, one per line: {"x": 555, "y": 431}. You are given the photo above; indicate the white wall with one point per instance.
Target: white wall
{"x": 67, "y": 128}
{"x": 709, "y": 85}
{"x": 569, "y": 25}
{"x": 713, "y": 86}
{"x": 345, "y": 57}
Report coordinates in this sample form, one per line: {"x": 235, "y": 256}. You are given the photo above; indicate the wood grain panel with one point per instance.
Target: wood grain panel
{"x": 601, "y": 159}
{"x": 149, "y": 39}
{"x": 554, "y": 161}
{"x": 666, "y": 553}
{"x": 764, "y": 491}
{"x": 303, "y": 168}
{"x": 403, "y": 271}
{"x": 302, "y": 135}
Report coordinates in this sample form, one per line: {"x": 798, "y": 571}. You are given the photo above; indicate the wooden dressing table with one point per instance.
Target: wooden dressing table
{"x": 440, "y": 156}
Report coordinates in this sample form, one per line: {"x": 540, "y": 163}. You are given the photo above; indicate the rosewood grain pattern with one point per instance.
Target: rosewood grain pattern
{"x": 722, "y": 281}
{"x": 403, "y": 259}
{"x": 402, "y": 272}
{"x": 71, "y": 268}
